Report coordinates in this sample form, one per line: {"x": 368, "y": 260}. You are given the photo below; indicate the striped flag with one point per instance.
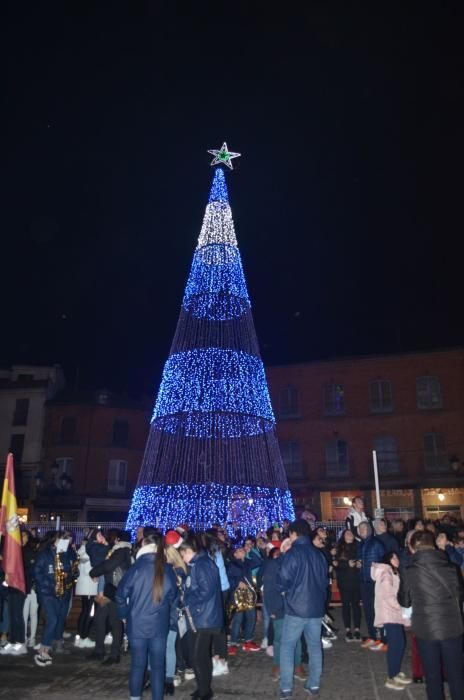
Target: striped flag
{"x": 12, "y": 564}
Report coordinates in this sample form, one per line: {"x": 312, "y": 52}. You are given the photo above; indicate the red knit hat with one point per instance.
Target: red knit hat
{"x": 173, "y": 538}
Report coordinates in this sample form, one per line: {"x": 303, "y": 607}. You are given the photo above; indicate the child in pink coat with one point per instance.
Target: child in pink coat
{"x": 390, "y": 615}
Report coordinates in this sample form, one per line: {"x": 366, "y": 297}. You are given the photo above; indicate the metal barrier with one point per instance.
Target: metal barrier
{"x": 77, "y": 528}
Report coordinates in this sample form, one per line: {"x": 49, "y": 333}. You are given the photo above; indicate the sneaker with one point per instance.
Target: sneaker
{"x": 275, "y": 673}
{"x": 7, "y": 648}
{"x": 393, "y": 684}
{"x": 378, "y": 646}
{"x": 109, "y": 638}
{"x": 251, "y": 646}
{"x": 38, "y": 647}
{"x": 312, "y": 691}
{"x": 264, "y": 644}
{"x": 349, "y": 636}
{"x": 326, "y": 643}
{"x": 403, "y": 678}
{"x": 43, "y": 660}
{"x": 356, "y": 636}
{"x": 177, "y": 680}
{"x": 232, "y": 650}
{"x": 299, "y": 673}
{"x": 67, "y": 635}
{"x": 220, "y": 668}
{"x": 367, "y": 643}
{"x": 189, "y": 674}
{"x": 18, "y": 649}
{"x": 286, "y": 695}
{"x": 87, "y": 643}
{"x": 270, "y": 651}
{"x": 78, "y": 642}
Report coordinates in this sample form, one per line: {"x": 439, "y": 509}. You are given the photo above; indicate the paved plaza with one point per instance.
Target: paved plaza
{"x": 350, "y": 673}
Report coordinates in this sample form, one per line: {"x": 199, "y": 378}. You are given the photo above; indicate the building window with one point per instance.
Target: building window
{"x": 68, "y": 429}
{"x": 20, "y": 412}
{"x": 435, "y": 456}
{"x": 334, "y": 400}
{"x": 380, "y": 396}
{"x": 428, "y": 392}
{"x": 120, "y": 433}
{"x": 337, "y": 458}
{"x": 387, "y": 455}
{"x": 291, "y": 457}
{"x": 17, "y": 447}
{"x": 288, "y": 404}
{"x": 65, "y": 466}
{"x": 117, "y": 475}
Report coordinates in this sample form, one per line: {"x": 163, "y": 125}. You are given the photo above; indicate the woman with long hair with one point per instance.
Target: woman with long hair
{"x": 204, "y": 612}
{"x": 347, "y": 567}
{"x": 145, "y": 596}
{"x": 389, "y": 615}
{"x": 172, "y": 543}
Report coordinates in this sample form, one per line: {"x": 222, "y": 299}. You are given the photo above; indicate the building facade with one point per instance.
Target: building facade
{"x": 409, "y": 408}
{"x": 24, "y": 391}
{"x": 92, "y": 450}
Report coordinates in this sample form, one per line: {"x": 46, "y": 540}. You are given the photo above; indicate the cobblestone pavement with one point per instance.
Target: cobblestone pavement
{"x": 350, "y": 673}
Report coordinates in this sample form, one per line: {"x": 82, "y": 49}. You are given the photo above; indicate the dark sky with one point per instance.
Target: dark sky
{"x": 347, "y": 200}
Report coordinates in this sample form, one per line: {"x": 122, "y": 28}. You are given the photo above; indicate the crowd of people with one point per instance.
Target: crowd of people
{"x": 184, "y": 603}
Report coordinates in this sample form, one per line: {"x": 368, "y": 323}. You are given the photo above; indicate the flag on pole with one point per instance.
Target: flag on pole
{"x": 12, "y": 564}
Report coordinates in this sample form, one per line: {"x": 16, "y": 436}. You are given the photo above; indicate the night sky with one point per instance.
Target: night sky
{"x": 347, "y": 200}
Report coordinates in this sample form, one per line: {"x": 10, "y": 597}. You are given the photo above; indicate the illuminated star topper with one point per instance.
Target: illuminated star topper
{"x": 223, "y": 156}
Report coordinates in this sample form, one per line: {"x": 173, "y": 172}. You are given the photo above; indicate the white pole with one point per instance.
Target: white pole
{"x": 378, "y": 513}
{"x": 58, "y": 522}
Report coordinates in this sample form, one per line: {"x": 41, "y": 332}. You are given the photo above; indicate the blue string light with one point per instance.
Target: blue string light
{"x": 213, "y": 425}
{"x": 218, "y": 192}
{"x": 214, "y": 379}
{"x": 216, "y": 288}
{"x": 252, "y": 508}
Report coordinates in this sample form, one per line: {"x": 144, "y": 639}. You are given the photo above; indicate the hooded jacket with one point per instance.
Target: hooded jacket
{"x": 113, "y": 567}
{"x": 431, "y": 584}
{"x": 134, "y": 598}
{"x": 387, "y": 608}
{"x": 202, "y": 594}
{"x": 304, "y": 579}
{"x": 371, "y": 550}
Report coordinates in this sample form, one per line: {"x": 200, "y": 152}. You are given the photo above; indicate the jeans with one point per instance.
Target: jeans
{"x": 142, "y": 650}
{"x": 108, "y": 613}
{"x": 201, "y": 643}
{"x": 396, "y": 645}
{"x": 85, "y": 620}
{"x": 277, "y": 625}
{"x": 433, "y": 653}
{"x": 247, "y": 619}
{"x": 63, "y": 611}
{"x": 368, "y": 595}
{"x": 292, "y": 629}
{"x": 51, "y": 606}
{"x": 171, "y": 654}
{"x": 266, "y": 621}
{"x": 30, "y": 610}
{"x": 220, "y": 639}
{"x": 16, "y": 605}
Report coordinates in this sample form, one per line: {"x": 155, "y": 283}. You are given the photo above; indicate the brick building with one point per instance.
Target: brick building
{"x": 92, "y": 450}
{"x": 409, "y": 407}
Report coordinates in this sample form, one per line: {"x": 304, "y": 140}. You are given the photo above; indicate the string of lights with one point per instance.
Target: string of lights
{"x": 212, "y": 453}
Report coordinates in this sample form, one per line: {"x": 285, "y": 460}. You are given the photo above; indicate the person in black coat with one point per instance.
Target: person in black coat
{"x": 146, "y": 598}
{"x": 347, "y": 567}
{"x": 113, "y": 569}
{"x": 430, "y": 583}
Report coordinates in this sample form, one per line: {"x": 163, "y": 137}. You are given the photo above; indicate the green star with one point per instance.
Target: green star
{"x": 223, "y": 156}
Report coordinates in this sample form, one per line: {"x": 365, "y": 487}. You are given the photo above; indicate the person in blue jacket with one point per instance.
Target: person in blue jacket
{"x": 240, "y": 574}
{"x": 303, "y": 579}
{"x": 145, "y": 598}
{"x": 204, "y": 612}
{"x": 53, "y": 598}
{"x": 371, "y": 550}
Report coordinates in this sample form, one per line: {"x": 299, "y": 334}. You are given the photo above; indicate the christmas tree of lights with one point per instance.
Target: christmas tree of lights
{"x": 212, "y": 454}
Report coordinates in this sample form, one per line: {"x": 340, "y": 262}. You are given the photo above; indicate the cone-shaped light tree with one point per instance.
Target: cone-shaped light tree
{"x": 212, "y": 454}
